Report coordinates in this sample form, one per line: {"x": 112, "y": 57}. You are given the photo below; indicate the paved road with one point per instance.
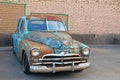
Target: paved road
{"x": 105, "y": 65}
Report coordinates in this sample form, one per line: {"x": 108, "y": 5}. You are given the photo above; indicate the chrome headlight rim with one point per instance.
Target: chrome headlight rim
{"x": 35, "y": 52}
{"x": 85, "y": 51}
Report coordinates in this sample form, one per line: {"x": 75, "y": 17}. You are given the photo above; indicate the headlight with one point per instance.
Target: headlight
{"x": 35, "y": 52}
{"x": 86, "y": 51}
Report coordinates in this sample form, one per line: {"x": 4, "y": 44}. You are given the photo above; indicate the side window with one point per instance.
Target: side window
{"x": 22, "y": 26}
{"x": 18, "y": 26}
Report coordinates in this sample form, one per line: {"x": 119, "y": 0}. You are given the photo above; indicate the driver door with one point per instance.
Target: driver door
{"x": 20, "y": 35}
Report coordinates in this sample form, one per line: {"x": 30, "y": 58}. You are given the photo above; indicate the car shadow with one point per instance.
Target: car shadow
{"x": 54, "y": 76}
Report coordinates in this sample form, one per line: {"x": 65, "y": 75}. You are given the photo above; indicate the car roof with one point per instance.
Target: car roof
{"x": 43, "y": 17}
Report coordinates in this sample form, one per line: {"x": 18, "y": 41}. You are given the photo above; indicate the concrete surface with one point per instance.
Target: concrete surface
{"x": 105, "y": 65}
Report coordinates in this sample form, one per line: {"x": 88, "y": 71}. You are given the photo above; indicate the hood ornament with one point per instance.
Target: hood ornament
{"x": 66, "y": 42}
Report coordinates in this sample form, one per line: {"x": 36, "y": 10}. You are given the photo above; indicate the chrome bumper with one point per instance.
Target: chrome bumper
{"x": 45, "y": 69}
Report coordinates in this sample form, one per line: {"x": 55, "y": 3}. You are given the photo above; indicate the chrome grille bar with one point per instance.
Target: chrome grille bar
{"x": 61, "y": 59}
{"x": 60, "y": 63}
{"x": 67, "y": 58}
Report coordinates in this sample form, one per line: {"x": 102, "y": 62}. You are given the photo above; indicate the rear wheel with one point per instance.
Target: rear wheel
{"x": 25, "y": 64}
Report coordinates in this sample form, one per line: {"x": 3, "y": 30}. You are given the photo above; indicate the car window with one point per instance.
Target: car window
{"x": 44, "y": 25}
{"x": 18, "y": 26}
{"x": 56, "y": 26}
{"x": 22, "y": 26}
{"x": 34, "y": 25}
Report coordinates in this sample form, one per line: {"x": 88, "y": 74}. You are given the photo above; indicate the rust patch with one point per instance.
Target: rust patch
{"x": 43, "y": 48}
{"x": 44, "y": 17}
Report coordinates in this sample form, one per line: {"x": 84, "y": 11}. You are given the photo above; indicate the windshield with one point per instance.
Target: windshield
{"x": 44, "y": 25}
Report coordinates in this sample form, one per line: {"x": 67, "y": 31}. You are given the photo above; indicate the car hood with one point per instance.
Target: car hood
{"x": 51, "y": 39}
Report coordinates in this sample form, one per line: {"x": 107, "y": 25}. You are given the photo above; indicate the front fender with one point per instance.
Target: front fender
{"x": 24, "y": 47}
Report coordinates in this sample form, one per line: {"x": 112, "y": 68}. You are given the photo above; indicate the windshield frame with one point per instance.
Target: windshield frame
{"x": 47, "y": 26}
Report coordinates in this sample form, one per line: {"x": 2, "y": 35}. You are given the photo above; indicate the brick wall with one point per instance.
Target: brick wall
{"x": 90, "y": 21}
{"x": 9, "y": 15}
{"x": 85, "y": 16}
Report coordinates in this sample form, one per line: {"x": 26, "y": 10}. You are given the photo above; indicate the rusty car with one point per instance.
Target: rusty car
{"x": 44, "y": 45}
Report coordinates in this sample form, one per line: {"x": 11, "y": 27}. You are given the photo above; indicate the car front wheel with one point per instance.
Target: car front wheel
{"x": 25, "y": 64}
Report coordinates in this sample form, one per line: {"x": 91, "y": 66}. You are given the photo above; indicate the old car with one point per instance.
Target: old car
{"x": 43, "y": 44}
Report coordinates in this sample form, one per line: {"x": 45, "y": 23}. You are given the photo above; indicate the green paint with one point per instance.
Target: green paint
{"x": 67, "y": 21}
{"x": 24, "y": 9}
{"x": 48, "y": 13}
{"x": 7, "y": 3}
{"x": 15, "y": 3}
{"x": 11, "y": 3}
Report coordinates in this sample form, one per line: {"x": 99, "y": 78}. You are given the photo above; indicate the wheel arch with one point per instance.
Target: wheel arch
{"x": 21, "y": 56}
{"x": 24, "y": 52}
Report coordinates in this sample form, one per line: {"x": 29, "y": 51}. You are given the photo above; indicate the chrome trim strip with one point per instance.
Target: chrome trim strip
{"x": 45, "y": 69}
{"x": 60, "y": 54}
{"x": 61, "y": 62}
{"x": 67, "y": 58}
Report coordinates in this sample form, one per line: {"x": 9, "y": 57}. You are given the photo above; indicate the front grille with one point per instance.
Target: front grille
{"x": 61, "y": 59}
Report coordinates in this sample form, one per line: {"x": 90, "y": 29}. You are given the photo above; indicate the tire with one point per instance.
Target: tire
{"x": 25, "y": 64}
